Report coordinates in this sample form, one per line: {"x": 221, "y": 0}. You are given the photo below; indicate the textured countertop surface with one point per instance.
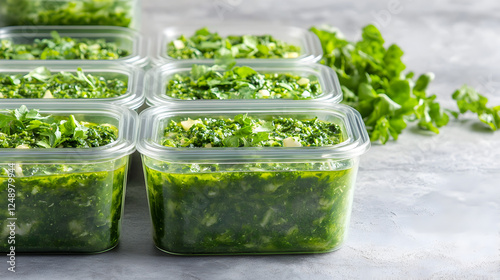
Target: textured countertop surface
{"x": 426, "y": 206}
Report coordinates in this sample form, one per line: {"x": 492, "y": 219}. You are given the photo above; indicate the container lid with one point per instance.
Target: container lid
{"x": 121, "y": 117}
{"x": 311, "y": 50}
{"x": 158, "y": 77}
{"x": 133, "y": 98}
{"x": 152, "y": 122}
{"x": 128, "y": 38}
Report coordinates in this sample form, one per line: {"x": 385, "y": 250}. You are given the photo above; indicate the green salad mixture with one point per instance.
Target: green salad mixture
{"x": 250, "y": 208}
{"x": 64, "y": 207}
{"x": 374, "y": 82}
{"x": 208, "y": 45}
{"x": 61, "y": 48}
{"x": 245, "y": 131}
{"x": 41, "y": 83}
{"x": 27, "y": 129}
{"x": 66, "y": 12}
{"x": 240, "y": 82}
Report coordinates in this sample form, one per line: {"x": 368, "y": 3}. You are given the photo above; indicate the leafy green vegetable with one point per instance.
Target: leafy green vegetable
{"x": 84, "y": 12}
{"x": 207, "y": 45}
{"x": 41, "y": 83}
{"x": 468, "y": 99}
{"x": 373, "y": 82}
{"x": 245, "y": 131}
{"x": 61, "y": 48}
{"x": 240, "y": 83}
{"x": 249, "y": 208}
{"x": 64, "y": 208}
{"x": 24, "y": 129}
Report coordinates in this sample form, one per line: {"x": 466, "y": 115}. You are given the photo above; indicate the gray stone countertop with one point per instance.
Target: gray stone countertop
{"x": 425, "y": 207}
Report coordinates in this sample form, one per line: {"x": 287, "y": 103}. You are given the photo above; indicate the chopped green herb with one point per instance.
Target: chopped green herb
{"x": 61, "y": 48}
{"x": 84, "y": 12}
{"x": 207, "y": 45}
{"x": 249, "y": 208}
{"x": 41, "y": 83}
{"x": 468, "y": 99}
{"x": 26, "y": 129}
{"x": 240, "y": 83}
{"x": 373, "y": 82}
{"x": 245, "y": 131}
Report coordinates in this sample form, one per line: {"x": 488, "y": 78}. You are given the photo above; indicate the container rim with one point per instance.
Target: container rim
{"x": 311, "y": 46}
{"x": 138, "y": 55}
{"x": 155, "y": 80}
{"x": 133, "y": 98}
{"x": 357, "y": 141}
{"x": 124, "y": 145}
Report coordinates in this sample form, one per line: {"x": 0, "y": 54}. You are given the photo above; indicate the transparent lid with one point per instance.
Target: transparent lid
{"x": 133, "y": 98}
{"x": 126, "y": 39}
{"x": 158, "y": 78}
{"x": 311, "y": 50}
{"x": 153, "y": 121}
{"x": 121, "y": 117}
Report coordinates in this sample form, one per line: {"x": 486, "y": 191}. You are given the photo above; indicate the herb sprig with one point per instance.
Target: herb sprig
{"x": 62, "y": 48}
{"x": 373, "y": 82}
{"x": 41, "y": 83}
{"x": 25, "y": 129}
{"x": 240, "y": 82}
{"x": 205, "y": 44}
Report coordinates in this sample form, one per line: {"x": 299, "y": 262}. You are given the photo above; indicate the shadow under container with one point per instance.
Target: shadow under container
{"x": 125, "y": 38}
{"x": 251, "y": 200}
{"x": 133, "y": 98}
{"x": 124, "y": 13}
{"x": 66, "y": 200}
{"x": 157, "y": 79}
{"x": 309, "y": 43}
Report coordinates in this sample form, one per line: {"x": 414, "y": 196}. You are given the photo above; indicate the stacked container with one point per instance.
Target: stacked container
{"x": 70, "y": 200}
{"x": 249, "y": 200}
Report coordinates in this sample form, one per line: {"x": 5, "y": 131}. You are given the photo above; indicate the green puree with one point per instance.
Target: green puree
{"x": 61, "y": 207}
{"x": 62, "y": 48}
{"x": 204, "y": 44}
{"x": 240, "y": 83}
{"x": 66, "y": 12}
{"x": 251, "y": 208}
{"x": 41, "y": 83}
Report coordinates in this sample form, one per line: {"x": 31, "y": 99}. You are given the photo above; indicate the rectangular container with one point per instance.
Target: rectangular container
{"x": 67, "y": 200}
{"x": 158, "y": 78}
{"x": 125, "y": 38}
{"x": 308, "y": 42}
{"x": 124, "y": 13}
{"x": 250, "y": 200}
{"x": 133, "y": 98}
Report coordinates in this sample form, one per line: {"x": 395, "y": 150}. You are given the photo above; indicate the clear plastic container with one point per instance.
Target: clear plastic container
{"x": 125, "y": 38}
{"x": 251, "y": 200}
{"x": 67, "y": 200}
{"x": 124, "y": 13}
{"x": 133, "y": 98}
{"x": 308, "y": 42}
{"x": 157, "y": 80}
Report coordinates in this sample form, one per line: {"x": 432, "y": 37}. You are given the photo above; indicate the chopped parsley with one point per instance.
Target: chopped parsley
{"x": 83, "y": 12}
{"x": 41, "y": 83}
{"x": 245, "y": 131}
{"x": 62, "y": 48}
{"x": 240, "y": 83}
{"x": 208, "y": 45}
{"x": 26, "y": 129}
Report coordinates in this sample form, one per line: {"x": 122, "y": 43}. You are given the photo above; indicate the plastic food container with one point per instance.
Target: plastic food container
{"x": 67, "y": 200}
{"x": 251, "y": 200}
{"x": 133, "y": 98}
{"x": 124, "y": 13}
{"x": 157, "y": 80}
{"x": 311, "y": 50}
{"x": 125, "y": 38}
